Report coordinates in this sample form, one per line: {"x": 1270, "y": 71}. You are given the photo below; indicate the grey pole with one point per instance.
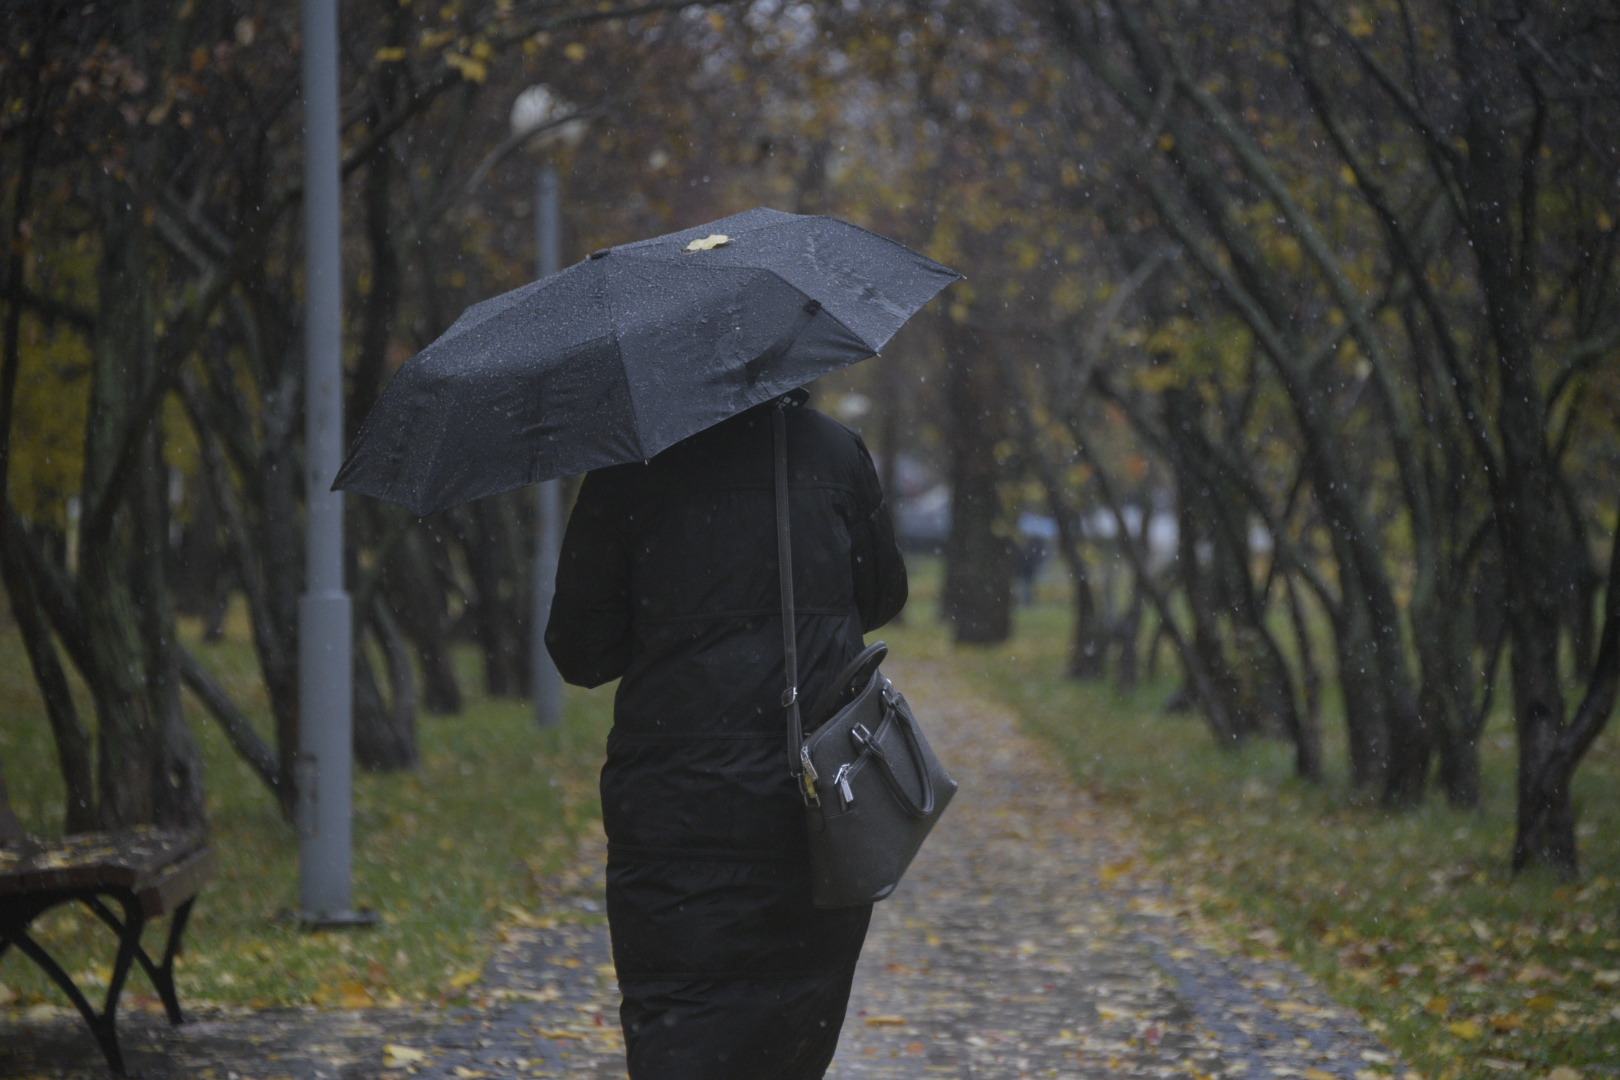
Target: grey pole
{"x": 548, "y": 686}
{"x": 325, "y": 620}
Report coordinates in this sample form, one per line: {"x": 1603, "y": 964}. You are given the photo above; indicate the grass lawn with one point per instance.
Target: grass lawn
{"x": 485, "y": 833}
{"x": 1411, "y": 918}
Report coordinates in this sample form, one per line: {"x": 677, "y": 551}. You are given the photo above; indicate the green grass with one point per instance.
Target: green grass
{"x": 1410, "y": 918}
{"x": 483, "y": 834}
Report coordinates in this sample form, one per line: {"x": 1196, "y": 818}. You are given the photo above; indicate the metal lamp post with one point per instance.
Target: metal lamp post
{"x": 536, "y": 107}
{"x": 325, "y": 619}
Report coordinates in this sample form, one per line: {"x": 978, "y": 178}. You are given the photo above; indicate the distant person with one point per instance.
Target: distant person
{"x": 668, "y": 581}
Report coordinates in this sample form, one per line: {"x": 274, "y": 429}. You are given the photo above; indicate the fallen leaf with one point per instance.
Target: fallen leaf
{"x": 1506, "y": 1022}
{"x": 396, "y": 1056}
{"x": 353, "y": 994}
{"x": 709, "y": 243}
{"x": 885, "y": 1021}
{"x": 463, "y": 979}
{"x": 1465, "y": 1029}
{"x": 1564, "y": 1072}
{"x": 1112, "y": 872}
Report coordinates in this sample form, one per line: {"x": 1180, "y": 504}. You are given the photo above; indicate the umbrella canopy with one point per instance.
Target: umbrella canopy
{"x": 632, "y": 350}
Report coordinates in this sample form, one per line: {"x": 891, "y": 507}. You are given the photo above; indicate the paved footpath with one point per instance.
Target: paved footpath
{"x": 1020, "y": 945}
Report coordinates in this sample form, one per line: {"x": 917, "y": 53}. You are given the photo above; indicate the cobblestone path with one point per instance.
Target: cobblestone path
{"x": 1021, "y": 945}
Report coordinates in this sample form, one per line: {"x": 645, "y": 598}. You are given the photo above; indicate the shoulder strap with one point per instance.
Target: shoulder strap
{"x": 798, "y": 759}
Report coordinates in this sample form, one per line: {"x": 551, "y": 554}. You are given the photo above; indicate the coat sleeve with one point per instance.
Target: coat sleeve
{"x": 878, "y": 569}
{"x": 588, "y": 634}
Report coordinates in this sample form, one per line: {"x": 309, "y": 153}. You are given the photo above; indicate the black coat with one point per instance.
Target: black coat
{"x": 668, "y": 581}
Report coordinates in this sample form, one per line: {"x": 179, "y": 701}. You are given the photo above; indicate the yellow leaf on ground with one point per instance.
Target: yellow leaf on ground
{"x": 1318, "y": 1074}
{"x": 1564, "y": 1072}
{"x": 395, "y": 1055}
{"x": 352, "y": 994}
{"x": 1112, "y": 872}
{"x": 1465, "y": 1029}
{"x": 1506, "y": 1022}
{"x": 463, "y": 979}
{"x": 885, "y": 1021}
{"x": 1437, "y": 1006}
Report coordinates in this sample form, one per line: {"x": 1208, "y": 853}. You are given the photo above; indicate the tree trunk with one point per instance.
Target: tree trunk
{"x": 384, "y": 725}
{"x": 979, "y": 559}
{"x": 11, "y": 829}
{"x": 176, "y": 780}
{"x": 148, "y": 769}
{"x": 415, "y": 581}
{"x": 499, "y": 608}
{"x": 74, "y": 747}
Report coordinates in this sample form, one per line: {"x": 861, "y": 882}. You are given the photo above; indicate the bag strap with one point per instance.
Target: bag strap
{"x": 798, "y": 757}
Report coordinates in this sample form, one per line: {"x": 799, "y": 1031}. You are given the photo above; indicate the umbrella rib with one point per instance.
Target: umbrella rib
{"x": 634, "y": 406}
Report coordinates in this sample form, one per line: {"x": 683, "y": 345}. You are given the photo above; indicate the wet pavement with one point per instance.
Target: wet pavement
{"x": 1024, "y": 943}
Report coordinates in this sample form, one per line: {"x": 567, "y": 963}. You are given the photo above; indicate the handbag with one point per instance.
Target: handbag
{"x": 872, "y": 786}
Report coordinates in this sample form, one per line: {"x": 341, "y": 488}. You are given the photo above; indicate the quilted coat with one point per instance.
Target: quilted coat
{"x": 668, "y": 582}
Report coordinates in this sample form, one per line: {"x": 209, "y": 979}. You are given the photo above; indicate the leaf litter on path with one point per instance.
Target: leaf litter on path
{"x": 1027, "y": 941}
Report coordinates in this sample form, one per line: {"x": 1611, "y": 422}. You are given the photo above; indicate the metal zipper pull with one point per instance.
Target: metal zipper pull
{"x": 808, "y": 777}
{"x": 845, "y": 792}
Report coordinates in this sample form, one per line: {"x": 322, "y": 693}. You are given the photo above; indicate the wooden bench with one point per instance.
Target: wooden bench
{"x": 146, "y": 873}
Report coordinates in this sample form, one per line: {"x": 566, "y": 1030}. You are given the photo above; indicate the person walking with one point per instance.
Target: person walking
{"x": 668, "y": 581}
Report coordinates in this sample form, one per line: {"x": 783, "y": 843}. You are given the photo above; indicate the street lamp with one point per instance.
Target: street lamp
{"x": 325, "y": 620}
{"x": 535, "y": 109}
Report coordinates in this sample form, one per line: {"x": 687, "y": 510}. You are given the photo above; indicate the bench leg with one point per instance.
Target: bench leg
{"x": 162, "y": 972}
{"x": 101, "y": 1024}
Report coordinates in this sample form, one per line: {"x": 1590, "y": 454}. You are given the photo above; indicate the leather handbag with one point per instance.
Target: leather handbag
{"x": 872, "y": 786}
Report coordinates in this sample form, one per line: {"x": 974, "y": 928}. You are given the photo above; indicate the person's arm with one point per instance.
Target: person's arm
{"x": 588, "y": 634}
{"x": 875, "y": 561}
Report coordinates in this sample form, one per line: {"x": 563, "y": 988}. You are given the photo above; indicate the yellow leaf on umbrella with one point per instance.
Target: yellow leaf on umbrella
{"x": 709, "y": 243}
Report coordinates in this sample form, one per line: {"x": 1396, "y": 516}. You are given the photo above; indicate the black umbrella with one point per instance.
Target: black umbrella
{"x": 632, "y": 350}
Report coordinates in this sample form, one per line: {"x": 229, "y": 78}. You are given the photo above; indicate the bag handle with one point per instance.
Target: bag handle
{"x": 869, "y": 744}
{"x": 798, "y": 757}
{"x": 856, "y": 674}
